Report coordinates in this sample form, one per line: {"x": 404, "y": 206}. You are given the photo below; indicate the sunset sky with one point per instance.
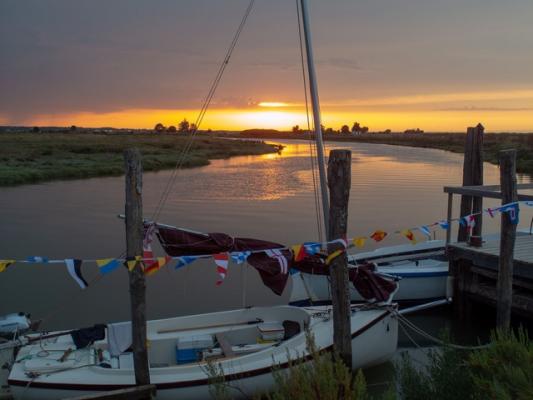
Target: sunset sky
{"x": 439, "y": 65}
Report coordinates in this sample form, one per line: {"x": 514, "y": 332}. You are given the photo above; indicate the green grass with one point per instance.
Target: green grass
{"x": 454, "y": 142}
{"x": 38, "y": 157}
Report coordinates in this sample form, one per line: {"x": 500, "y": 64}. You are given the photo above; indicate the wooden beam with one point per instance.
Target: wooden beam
{"x": 477, "y": 178}
{"x": 339, "y": 181}
{"x": 489, "y": 191}
{"x": 466, "y": 200}
{"x": 507, "y": 240}
{"x": 134, "y": 247}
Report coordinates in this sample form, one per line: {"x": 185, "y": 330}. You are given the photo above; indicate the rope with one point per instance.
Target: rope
{"x": 312, "y": 148}
{"x": 207, "y": 101}
{"x": 426, "y": 335}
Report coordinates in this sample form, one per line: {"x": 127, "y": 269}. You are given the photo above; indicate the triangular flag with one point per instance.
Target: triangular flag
{"x": 156, "y": 266}
{"x": 409, "y": 235}
{"x": 107, "y": 265}
{"x": 240, "y": 256}
{"x": 359, "y": 241}
{"x": 491, "y": 211}
{"x": 468, "y": 221}
{"x": 5, "y": 263}
{"x": 444, "y": 224}
{"x": 74, "y": 269}
{"x": 221, "y": 261}
{"x": 148, "y": 255}
{"x": 425, "y": 230}
{"x": 184, "y": 260}
{"x": 299, "y": 252}
{"x": 41, "y": 260}
{"x": 333, "y": 255}
{"x": 131, "y": 263}
{"x": 312, "y": 248}
{"x": 513, "y": 210}
{"x": 378, "y": 235}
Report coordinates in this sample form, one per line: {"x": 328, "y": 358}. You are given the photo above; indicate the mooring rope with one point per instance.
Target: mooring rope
{"x": 424, "y": 334}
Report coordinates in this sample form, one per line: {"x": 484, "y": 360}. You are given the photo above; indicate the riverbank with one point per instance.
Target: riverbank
{"x": 39, "y": 157}
{"x": 454, "y": 142}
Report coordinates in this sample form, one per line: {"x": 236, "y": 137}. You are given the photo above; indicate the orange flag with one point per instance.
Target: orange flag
{"x": 378, "y": 235}
{"x": 155, "y": 266}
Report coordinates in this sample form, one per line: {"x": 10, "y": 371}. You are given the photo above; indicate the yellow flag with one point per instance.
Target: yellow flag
{"x": 409, "y": 235}
{"x": 132, "y": 263}
{"x": 333, "y": 255}
{"x": 359, "y": 241}
{"x": 5, "y": 263}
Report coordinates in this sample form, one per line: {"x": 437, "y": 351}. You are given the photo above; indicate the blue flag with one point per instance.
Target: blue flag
{"x": 513, "y": 210}
{"x": 185, "y": 260}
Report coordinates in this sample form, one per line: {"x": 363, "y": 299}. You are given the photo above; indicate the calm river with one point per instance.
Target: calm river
{"x": 268, "y": 197}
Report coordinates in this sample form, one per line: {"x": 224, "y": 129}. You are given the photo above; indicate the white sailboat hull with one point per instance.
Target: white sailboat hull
{"x": 422, "y": 269}
{"x": 374, "y": 340}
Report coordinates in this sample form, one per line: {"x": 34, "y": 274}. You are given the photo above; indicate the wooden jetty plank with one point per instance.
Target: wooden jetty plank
{"x": 487, "y": 256}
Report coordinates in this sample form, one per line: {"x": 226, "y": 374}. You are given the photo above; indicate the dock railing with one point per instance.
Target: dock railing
{"x": 487, "y": 191}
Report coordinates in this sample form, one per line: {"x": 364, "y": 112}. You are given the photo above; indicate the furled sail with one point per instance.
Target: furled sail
{"x": 274, "y": 263}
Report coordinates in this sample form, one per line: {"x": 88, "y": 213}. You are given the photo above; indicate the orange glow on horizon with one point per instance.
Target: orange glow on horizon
{"x": 274, "y": 104}
{"x": 239, "y": 119}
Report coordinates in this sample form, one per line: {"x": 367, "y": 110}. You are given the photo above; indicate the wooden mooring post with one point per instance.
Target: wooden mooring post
{"x": 507, "y": 240}
{"x": 472, "y": 175}
{"x": 134, "y": 247}
{"x": 339, "y": 181}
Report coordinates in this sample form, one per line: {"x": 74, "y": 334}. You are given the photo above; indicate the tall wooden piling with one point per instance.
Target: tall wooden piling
{"x": 472, "y": 175}
{"x": 134, "y": 247}
{"x": 339, "y": 180}
{"x": 507, "y": 240}
{"x": 477, "y": 177}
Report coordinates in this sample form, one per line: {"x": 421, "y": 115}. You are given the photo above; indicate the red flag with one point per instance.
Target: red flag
{"x": 378, "y": 235}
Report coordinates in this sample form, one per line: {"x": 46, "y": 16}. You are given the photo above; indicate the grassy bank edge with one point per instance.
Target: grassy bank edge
{"x": 453, "y": 142}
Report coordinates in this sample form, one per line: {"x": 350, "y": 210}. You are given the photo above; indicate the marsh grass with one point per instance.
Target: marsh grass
{"x": 39, "y": 157}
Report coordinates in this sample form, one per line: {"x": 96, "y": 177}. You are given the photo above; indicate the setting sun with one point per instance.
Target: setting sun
{"x": 273, "y": 104}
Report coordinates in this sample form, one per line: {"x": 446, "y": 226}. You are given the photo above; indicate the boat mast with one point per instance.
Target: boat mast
{"x": 316, "y": 114}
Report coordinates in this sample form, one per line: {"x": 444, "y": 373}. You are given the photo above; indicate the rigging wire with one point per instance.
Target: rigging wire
{"x": 207, "y": 101}
{"x": 312, "y": 148}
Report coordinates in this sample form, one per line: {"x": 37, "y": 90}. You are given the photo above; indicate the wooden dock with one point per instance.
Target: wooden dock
{"x": 475, "y": 273}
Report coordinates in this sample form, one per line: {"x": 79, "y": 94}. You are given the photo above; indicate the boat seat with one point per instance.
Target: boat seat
{"x": 224, "y": 345}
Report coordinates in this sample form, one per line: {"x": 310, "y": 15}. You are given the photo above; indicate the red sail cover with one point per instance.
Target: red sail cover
{"x": 177, "y": 242}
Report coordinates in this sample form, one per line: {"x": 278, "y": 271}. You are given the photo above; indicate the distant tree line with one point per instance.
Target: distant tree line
{"x": 356, "y": 129}
{"x": 183, "y": 126}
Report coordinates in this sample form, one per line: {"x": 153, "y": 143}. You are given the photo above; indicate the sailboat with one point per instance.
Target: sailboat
{"x": 247, "y": 344}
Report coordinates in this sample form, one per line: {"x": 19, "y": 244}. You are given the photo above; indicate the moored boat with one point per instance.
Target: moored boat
{"x": 422, "y": 269}
{"x": 248, "y": 345}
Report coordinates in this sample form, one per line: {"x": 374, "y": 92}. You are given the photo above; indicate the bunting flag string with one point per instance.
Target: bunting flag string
{"x": 153, "y": 264}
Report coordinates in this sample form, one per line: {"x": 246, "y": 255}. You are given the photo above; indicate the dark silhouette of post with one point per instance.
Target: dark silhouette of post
{"x": 507, "y": 240}
{"x": 134, "y": 247}
{"x": 477, "y": 177}
{"x": 472, "y": 175}
{"x": 339, "y": 180}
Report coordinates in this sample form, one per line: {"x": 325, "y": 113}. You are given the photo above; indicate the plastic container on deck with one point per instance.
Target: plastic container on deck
{"x": 189, "y": 348}
{"x": 271, "y": 330}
